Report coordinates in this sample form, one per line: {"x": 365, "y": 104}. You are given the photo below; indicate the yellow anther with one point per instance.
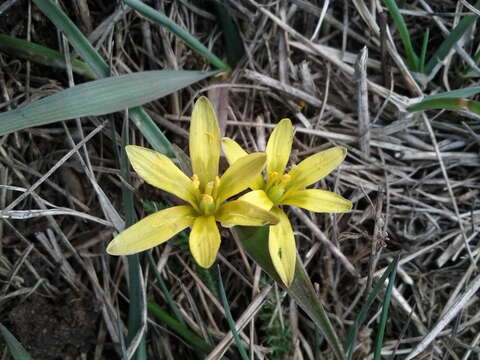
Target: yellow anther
{"x": 207, "y": 199}
{"x": 285, "y": 179}
{"x": 196, "y": 181}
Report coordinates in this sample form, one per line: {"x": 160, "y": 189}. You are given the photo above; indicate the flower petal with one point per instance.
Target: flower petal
{"x": 316, "y": 167}
{"x": 204, "y": 141}
{"x": 240, "y": 175}
{"x": 281, "y": 245}
{"x": 159, "y": 171}
{"x": 204, "y": 240}
{"x": 318, "y": 201}
{"x": 279, "y": 147}
{"x": 258, "y": 198}
{"x": 152, "y": 230}
{"x": 243, "y": 213}
{"x": 233, "y": 152}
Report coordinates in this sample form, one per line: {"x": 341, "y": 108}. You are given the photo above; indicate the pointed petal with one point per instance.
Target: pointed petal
{"x": 279, "y": 147}
{"x": 240, "y": 175}
{"x": 258, "y": 198}
{"x": 204, "y": 141}
{"x": 243, "y": 213}
{"x": 204, "y": 240}
{"x": 316, "y": 167}
{"x": 281, "y": 245}
{"x": 233, "y": 151}
{"x": 152, "y": 230}
{"x": 316, "y": 200}
{"x": 159, "y": 171}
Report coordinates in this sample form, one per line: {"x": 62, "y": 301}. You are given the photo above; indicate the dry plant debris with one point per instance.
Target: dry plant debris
{"x": 338, "y": 70}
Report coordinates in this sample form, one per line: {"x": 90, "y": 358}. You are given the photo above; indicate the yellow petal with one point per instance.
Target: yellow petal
{"x": 316, "y": 167}
{"x": 240, "y": 175}
{"x": 258, "y": 198}
{"x": 233, "y": 152}
{"x": 152, "y": 230}
{"x": 281, "y": 245}
{"x": 279, "y": 147}
{"x": 318, "y": 201}
{"x": 204, "y": 141}
{"x": 159, "y": 171}
{"x": 204, "y": 240}
{"x": 243, "y": 213}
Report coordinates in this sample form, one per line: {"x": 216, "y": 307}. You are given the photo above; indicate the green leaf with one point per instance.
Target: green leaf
{"x": 384, "y": 316}
{"x": 255, "y": 242}
{"x": 183, "y": 34}
{"x": 228, "y": 314}
{"x": 455, "y": 35}
{"x": 233, "y": 41}
{"x": 400, "y": 24}
{"x": 41, "y": 55}
{"x": 99, "y": 97}
{"x": 362, "y": 315}
{"x": 17, "y": 351}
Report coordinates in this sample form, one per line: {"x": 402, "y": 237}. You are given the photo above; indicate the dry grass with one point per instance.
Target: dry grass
{"x": 414, "y": 180}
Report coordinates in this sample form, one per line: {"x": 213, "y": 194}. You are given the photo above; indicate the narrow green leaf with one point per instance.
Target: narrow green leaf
{"x": 193, "y": 339}
{"x": 441, "y": 103}
{"x": 384, "y": 316}
{"x": 183, "y": 34}
{"x": 352, "y": 333}
{"x": 233, "y": 41}
{"x": 255, "y": 242}
{"x": 75, "y": 36}
{"x": 465, "y": 92}
{"x": 41, "y": 55}
{"x": 99, "y": 97}
{"x": 17, "y": 351}
{"x": 455, "y": 35}
{"x": 401, "y": 26}
{"x": 423, "y": 52}
{"x": 228, "y": 314}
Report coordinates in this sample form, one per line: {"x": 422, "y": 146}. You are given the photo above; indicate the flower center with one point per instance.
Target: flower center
{"x": 275, "y": 186}
{"x": 206, "y": 201}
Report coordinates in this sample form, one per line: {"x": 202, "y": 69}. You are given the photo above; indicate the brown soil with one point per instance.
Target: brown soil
{"x": 50, "y": 329}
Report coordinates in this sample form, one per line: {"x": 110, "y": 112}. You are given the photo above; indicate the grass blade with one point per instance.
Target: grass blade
{"x": 255, "y": 242}
{"x": 455, "y": 35}
{"x": 232, "y": 39}
{"x": 41, "y": 55}
{"x": 423, "y": 52}
{"x": 193, "y": 339}
{"x": 183, "y": 34}
{"x": 228, "y": 314}
{"x": 384, "y": 316}
{"x": 75, "y": 37}
{"x": 99, "y": 97}
{"x": 352, "y": 333}
{"x": 17, "y": 351}
{"x": 401, "y": 26}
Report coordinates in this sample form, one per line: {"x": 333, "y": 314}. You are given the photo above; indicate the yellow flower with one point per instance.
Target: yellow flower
{"x": 205, "y": 193}
{"x": 280, "y": 188}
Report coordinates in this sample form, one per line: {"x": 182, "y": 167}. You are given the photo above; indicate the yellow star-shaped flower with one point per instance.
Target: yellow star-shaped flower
{"x": 205, "y": 192}
{"x": 280, "y": 188}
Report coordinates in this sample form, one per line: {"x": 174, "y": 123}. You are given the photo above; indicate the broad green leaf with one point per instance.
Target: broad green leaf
{"x": 41, "y": 55}
{"x": 99, "y": 97}
{"x": 17, "y": 351}
{"x": 255, "y": 242}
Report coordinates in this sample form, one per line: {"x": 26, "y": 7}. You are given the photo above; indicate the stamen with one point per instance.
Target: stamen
{"x": 209, "y": 188}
